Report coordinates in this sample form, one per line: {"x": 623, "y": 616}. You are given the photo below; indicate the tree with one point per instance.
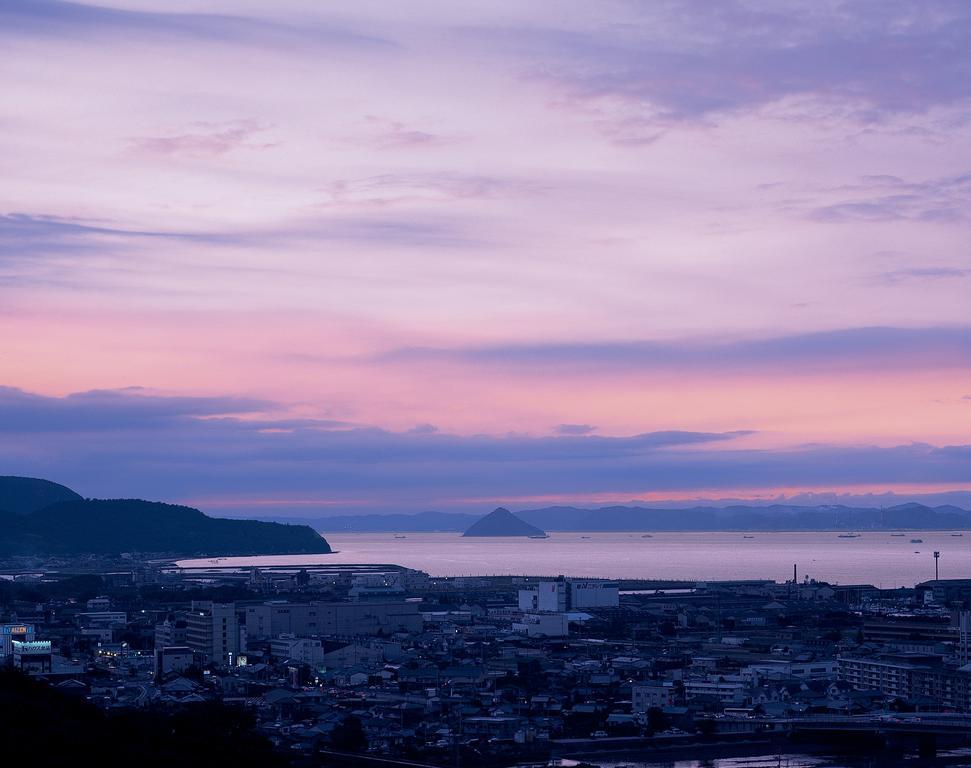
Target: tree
{"x": 656, "y": 719}
{"x": 349, "y": 735}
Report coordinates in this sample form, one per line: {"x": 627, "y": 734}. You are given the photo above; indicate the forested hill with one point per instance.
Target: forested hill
{"x": 23, "y": 495}
{"x": 105, "y": 527}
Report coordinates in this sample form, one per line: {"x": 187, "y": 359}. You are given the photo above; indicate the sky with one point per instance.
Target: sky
{"x": 303, "y": 257}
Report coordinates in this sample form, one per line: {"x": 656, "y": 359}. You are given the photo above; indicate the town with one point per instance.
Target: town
{"x": 496, "y": 670}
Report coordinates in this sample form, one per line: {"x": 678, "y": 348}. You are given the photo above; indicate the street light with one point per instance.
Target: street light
{"x": 936, "y": 574}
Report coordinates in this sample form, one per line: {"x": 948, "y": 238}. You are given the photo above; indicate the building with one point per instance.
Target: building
{"x": 593, "y": 594}
{"x": 303, "y": 650}
{"x": 176, "y": 658}
{"x": 171, "y": 632}
{"x": 780, "y": 669}
{"x": 212, "y": 631}
{"x": 543, "y": 624}
{"x": 99, "y": 604}
{"x": 944, "y": 590}
{"x": 727, "y": 690}
{"x": 569, "y": 594}
{"x": 551, "y": 596}
{"x": 910, "y": 675}
{"x": 370, "y": 617}
{"x": 32, "y": 655}
{"x": 102, "y": 625}
{"x": 371, "y": 585}
{"x": 276, "y": 618}
{"x": 10, "y": 633}
{"x": 645, "y": 696}
{"x": 528, "y": 600}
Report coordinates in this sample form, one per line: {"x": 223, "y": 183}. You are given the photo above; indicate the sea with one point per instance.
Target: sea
{"x": 880, "y": 558}
{"x": 956, "y": 757}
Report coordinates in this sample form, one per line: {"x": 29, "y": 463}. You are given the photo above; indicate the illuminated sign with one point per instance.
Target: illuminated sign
{"x": 36, "y": 647}
{"x": 16, "y": 629}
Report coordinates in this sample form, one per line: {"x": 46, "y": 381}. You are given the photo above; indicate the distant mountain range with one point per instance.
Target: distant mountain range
{"x": 502, "y": 522}
{"x": 736, "y": 517}
{"x": 38, "y": 517}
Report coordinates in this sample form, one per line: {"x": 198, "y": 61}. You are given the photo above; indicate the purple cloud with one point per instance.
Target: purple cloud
{"x": 64, "y": 18}
{"x": 852, "y": 348}
{"x": 923, "y": 273}
{"x": 574, "y": 429}
{"x": 104, "y": 411}
{"x": 693, "y": 60}
{"x": 127, "y": 444}
{"x": 206, "y": 140}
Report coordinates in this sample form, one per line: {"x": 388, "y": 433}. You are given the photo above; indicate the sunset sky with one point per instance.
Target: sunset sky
{"x": 309, "y": 258}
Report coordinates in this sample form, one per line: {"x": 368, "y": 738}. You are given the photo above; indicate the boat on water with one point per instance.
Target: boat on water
{"x": 848, "y": 536}
{"x": 916, "y": 541}
{"x": 540, "y": 536}
{"x": 748, "y": 537}
{"x": 957, "y": 534}
{"x": 896, "y": 534}
{"x": 400, "y": 536}
{"x": 646, "y": 536}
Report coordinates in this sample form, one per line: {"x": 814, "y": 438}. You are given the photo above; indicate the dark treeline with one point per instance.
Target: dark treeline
{"x": 45, "y": 726}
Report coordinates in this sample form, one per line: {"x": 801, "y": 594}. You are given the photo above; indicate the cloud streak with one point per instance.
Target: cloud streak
{"x": 690, "y": 61}
{"x": 128, "y": 443}
{"x": 63, "y": 18}
{"x": 847, "y": 349}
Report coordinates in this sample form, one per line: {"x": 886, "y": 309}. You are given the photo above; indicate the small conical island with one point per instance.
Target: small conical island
{"x": 502, "y": 522}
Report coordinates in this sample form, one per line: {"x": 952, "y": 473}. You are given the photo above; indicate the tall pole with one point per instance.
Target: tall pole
{"x": 937, "y": 575}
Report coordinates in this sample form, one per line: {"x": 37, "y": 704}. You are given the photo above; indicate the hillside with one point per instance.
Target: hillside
{"x": 735, "y": 517}
{"x": 777, "y": 517}
{"x": 108, "y": 527}
{"x": 23, "y": 495}
{"x": 502, "y": 522}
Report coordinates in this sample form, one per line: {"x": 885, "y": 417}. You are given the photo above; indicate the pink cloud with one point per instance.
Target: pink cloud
{"x": 208, "y": 140}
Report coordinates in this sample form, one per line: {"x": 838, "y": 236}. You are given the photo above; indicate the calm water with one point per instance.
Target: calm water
{"x": 794, "y": 760}
{"x": 874, "y": 558}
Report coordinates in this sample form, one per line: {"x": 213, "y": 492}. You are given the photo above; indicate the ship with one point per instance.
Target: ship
{"x": 916, "y": 541}
{"x": 849, "y": 536}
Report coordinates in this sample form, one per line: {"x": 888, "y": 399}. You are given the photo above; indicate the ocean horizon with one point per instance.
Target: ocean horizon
{"x": 880, "y": 558}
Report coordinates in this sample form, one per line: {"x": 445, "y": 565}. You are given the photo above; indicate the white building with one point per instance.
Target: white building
{"x": 645, "y": 696}
{"x": 543, "y": 624}
{"x": 304, "y": 650}
{"x": 32, "y": 655}
{"x": 212, "y": 630}
{"x": 176, "y": 658}
{"x": 728, "y": 690}
{"x": 778, "y": 669}
{"x": 371, "y": 584}
{"x": 569, "y": 594}
{"x": 171, "y": 632}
